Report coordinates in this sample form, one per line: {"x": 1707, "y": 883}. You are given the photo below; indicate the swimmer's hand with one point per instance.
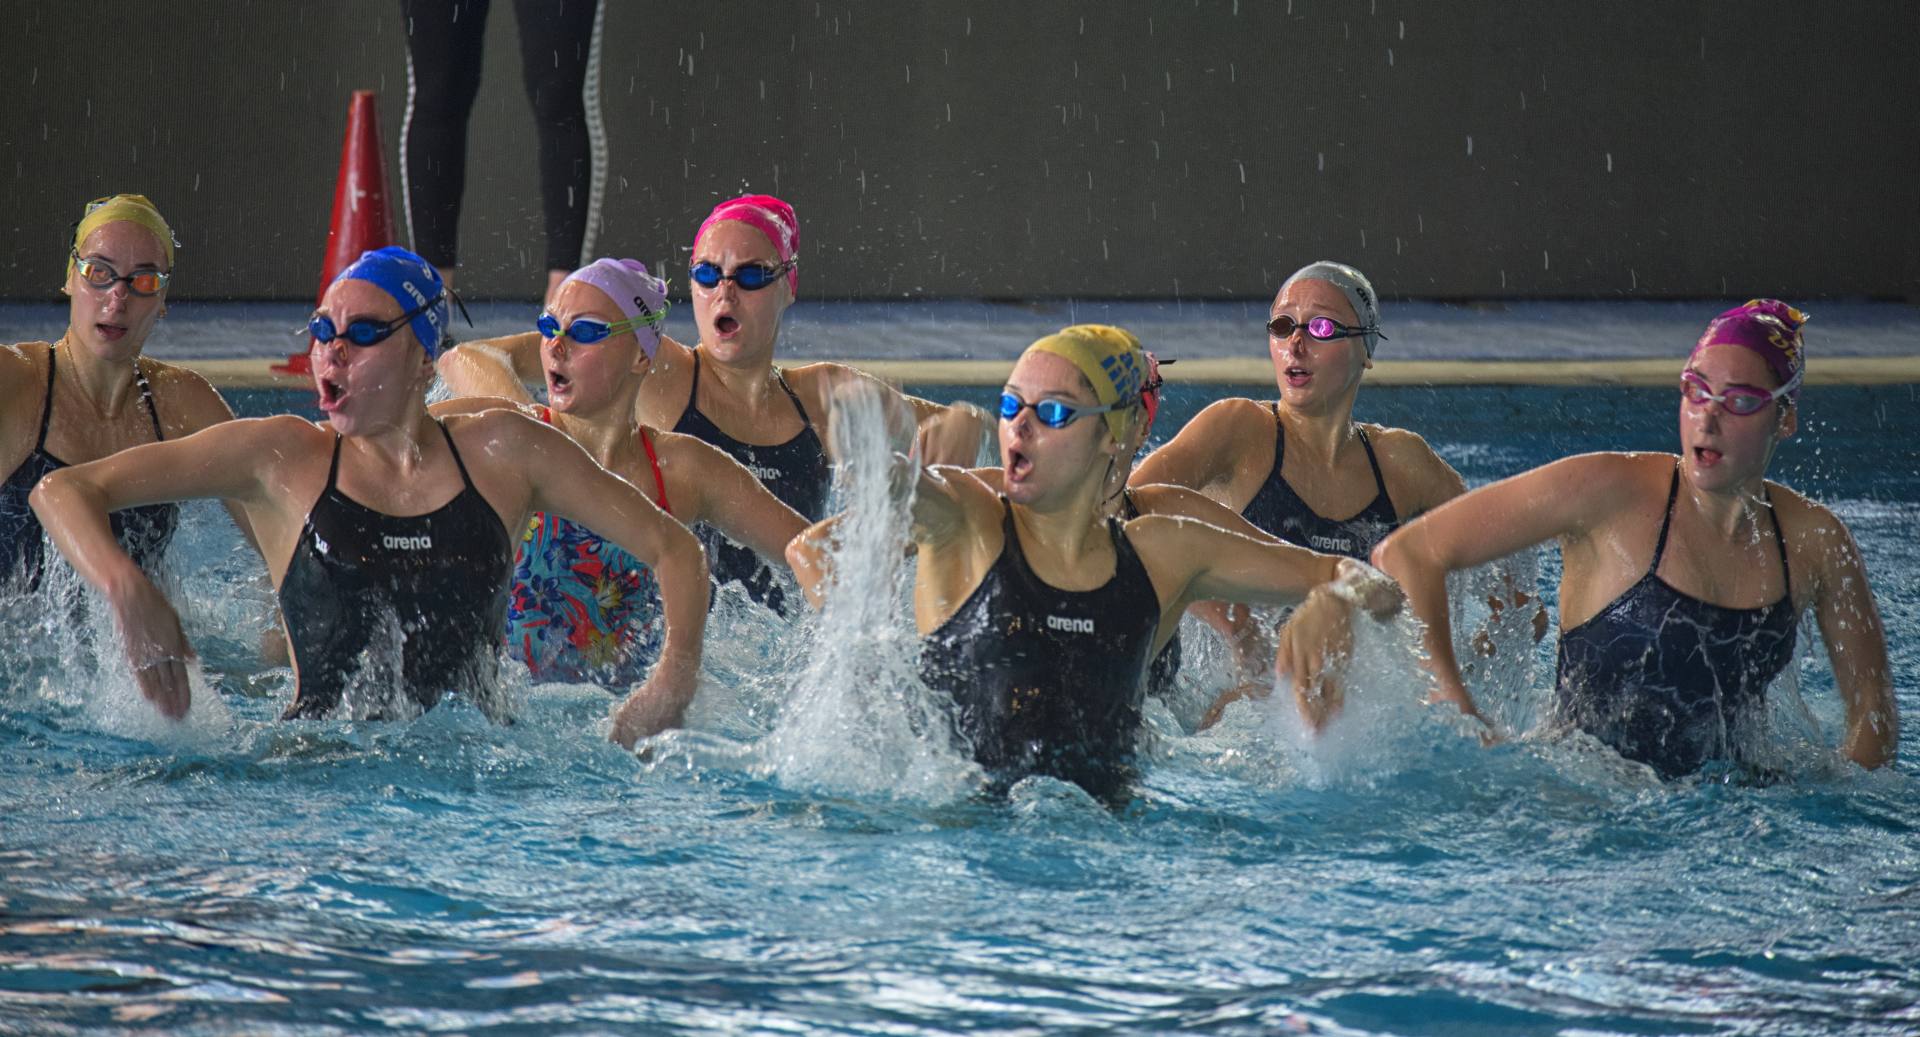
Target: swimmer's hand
{"x": 1367, "y": 589}
{"x": 1315, "y": 646}
{"x": 656, "y": 705}
{"x": 157, "y": 648}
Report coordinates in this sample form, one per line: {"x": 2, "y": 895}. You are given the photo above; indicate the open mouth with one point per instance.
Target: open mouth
{"x": 1298, "y": 376}
{"x": 1019, "y": 465}
{"x": 558, "y": 384}
{"x": 331, "y": 394}
{"x": 1706, "y": 456}
{"x": 725, "y": 324}
{"x": 110, "y": 332}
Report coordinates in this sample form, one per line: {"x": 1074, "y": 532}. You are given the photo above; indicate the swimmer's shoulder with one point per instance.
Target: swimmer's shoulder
{"x": 685, "y": 458}
{"x": 460, "y": 405}
{"x": 23, "y": 387}
{"x": 664, "y": 395}
{"x": 23, "y": 366}
{"x": 1816, "y": 537}
{"x": 1233, "y": 416}
{"x": 1418, "y": 478}
{"x": 186, "y": 400}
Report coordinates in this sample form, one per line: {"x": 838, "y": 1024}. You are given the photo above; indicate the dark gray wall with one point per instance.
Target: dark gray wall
{"x": 1042, "y": 149}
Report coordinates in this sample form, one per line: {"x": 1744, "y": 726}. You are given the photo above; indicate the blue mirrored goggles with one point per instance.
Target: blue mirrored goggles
{"x": 1054, "y": 413}
{"x": 365, "y": 331}
{"x": 751, "y": 277}
{"x": 588, "y": 330}
{"x": 1320, "y": 329}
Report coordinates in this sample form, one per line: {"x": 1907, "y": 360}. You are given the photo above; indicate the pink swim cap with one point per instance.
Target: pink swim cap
{"x": 768, "y": 215}
{"x": 1770, "y": 328}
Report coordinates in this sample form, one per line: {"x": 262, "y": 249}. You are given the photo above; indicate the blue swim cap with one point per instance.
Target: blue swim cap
{"x": 413, "y": 283}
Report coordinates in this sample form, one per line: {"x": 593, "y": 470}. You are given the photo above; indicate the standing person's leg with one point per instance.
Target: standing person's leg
{"x": 444, "y": 43}
{"x": 560, "y": 59}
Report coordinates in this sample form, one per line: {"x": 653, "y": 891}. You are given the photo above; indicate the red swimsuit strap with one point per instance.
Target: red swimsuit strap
{"x": 659, "y": 482}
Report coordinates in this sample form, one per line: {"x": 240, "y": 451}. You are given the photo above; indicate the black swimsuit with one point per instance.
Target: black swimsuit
{"x": 1280, "y": 511}
{"x": 1044, "y": 680}
{"x": 1166, "y": 665}
{"x": 144, "y": 531}
{"x": 1668, "y": 679}
{"x": 441, "y": 578}
{"x": 795, "y": 471}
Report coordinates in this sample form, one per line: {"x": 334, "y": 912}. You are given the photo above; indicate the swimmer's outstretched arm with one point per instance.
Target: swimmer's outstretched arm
{"x": 232, "y": 460}
{"x": 493, "y": 367}
{"x": 1849, "y": 621}
{"x": 952, "y": 434}
{"x": 1565, "y": 499}
{"x": 707, "y": 485}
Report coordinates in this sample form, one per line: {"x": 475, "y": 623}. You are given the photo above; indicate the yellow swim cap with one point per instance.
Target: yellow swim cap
{"x": 1112, "y": 360}
{"x": 131, "y": 208}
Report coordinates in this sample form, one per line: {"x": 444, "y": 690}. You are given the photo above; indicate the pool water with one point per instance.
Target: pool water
{"x": 804, "y": 861}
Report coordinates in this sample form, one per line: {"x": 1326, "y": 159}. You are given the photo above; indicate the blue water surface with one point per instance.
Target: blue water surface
{"x": 244, "y": 875}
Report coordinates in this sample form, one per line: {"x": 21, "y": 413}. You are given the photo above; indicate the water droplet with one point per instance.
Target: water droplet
{"x": 1609, "y": 161}
{"x": 1469, "y": 144}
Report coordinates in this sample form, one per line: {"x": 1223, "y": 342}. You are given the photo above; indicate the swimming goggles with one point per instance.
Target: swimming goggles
{"x": 1322, "y": 329}
{"x": 751, "y": 277}
{"x": 1735, "y": 399}
{"x": 366, "y": 331}
{"x": 1052, "y": 413}
{"x": 102, "y": 276}
{"x": 588, "y": 330}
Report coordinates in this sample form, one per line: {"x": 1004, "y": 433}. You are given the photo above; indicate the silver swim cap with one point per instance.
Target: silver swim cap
{"x": 1354, "y": 285}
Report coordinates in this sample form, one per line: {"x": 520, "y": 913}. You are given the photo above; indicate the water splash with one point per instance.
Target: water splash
{"x": 858, "y": 719}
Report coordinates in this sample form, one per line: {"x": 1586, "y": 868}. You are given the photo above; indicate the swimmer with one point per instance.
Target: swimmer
{"x": 726, "y": 389}
{"x": 1038, "y": 611}
{"x": 386, "y": 534}
{"x": 91, "y": 393}
{"x": 581, "y": 608}
{"x": 1684, "y": 577}
{"x": 1292, "y": 465}
{"x": 1131, "y": 502}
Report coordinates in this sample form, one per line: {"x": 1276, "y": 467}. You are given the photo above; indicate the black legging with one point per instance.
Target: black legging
{"x": 444, "y": 44}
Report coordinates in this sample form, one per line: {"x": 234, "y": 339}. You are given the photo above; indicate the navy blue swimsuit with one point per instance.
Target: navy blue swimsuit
{"x": 1278, "y": 510}
{"x": 1670, "y": 680}
{"x": 145, "y": 531}
{"x": 795, "y": 471}
{"x": 1044, "y": 680}
{"x": 365, "y": 591}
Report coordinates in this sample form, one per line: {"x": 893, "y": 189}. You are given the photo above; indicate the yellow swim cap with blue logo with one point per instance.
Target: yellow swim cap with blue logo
{"x": 129, "y": 208}
{"x": 1112, "y": 360}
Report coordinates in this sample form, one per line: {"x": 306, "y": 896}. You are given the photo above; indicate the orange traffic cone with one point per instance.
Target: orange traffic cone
{"x": 360, "y": 219}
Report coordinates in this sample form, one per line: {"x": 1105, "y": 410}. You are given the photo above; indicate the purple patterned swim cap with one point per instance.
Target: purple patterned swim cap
{"x": 1770, "y": 328}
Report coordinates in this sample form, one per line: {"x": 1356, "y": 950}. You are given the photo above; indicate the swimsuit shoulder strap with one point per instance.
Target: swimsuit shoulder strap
{"x": 333, "y": 470}
{"x": 659, "y": 481}
{"x": 1379, "y": 480}
{"x": 781, "y": 377}
{"x": 1279, "y": 436}
{"x": 693, "y": 394}
{"x": 146, "y": 396}
{"x": 462, "y": 465}
{"x": 1780, "y": 541}
{"x": 1666, "y": 522}
{"x": 46, "y": 406}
